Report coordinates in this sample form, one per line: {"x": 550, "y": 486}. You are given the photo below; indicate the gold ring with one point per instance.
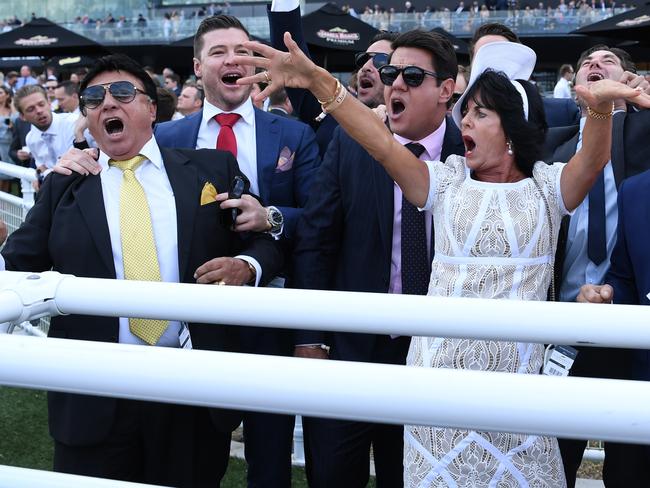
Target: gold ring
{"x": 268, "y": 78}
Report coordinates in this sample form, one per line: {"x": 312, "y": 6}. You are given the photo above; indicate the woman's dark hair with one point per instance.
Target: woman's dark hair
{"x": 496, "y": 92}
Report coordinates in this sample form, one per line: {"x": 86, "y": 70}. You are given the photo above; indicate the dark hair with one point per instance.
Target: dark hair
{"x": 166, "y": 105}
{"x": 626, "y": 60}
{"x": 9, "y": 95}
{"x": 496, "y": 92}
{"x": 566, "y": 68}
{"x": 69, "y": 87}
{"x": 384, "y": 36}
{"x": 26, "y": 91}
{"x": 215, "y": 22}
{"x": 443, "y": 56}
{"x": 174, "y": 77}
{"x": 278, "y": 97}
{"x": 492, "y": 29}
{"x": 119, "y": 62}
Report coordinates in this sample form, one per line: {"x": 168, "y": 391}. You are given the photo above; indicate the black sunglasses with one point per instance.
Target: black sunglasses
{"x": 413, "y": 75}
{"x": 122, "y": 91}
{"x": 378, "y": 59}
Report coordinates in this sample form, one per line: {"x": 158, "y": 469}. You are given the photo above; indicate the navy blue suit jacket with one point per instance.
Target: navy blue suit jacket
{"x": 629, "y": 273}
{"x": 305, "y": 106}
{"x": 561, "y": 112}
{"x": 287, "y": 190}
{"x": 345, "y": 235}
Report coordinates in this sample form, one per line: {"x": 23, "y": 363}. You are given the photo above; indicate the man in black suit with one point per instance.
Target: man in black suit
{"x": 357, "y": 235}
{"x": 83, "y": 225}
{"x": 20, "y": 157}
{"x": 586, "y": 239}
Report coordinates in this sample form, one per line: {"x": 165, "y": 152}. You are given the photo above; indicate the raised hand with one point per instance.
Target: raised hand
{"x": 291, "y": 69}
{"x": 601, "y": 94}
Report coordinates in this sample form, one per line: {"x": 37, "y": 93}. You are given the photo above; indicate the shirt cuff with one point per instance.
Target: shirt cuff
{"x": 256, "y": 265}
{"x": 2, "y": 263}
{"x": 284, "y": 5}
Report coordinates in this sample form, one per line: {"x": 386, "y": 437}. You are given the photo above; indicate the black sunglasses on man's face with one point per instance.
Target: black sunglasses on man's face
{"x": 122, "y": 91}
{"x": 413, "y": 76}
{"x": 378, "y": 59}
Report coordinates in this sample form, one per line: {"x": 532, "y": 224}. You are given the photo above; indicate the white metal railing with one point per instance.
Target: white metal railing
{"x": 356, "y": 391}
{"x": 51, "y": 293}
{"x": 30, "y": 478}
{"x": 24, "y": 298}
{"x": 26, "y": 176}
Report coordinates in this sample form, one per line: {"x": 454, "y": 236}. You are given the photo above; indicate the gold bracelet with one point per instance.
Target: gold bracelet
{"x": 338, "y": 100}
{"x": 600, "y": 115}
{"x": 333, "y": 97}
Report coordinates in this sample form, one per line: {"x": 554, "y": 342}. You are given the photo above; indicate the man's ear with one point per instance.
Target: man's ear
{"x": 447, "y": 90}
{"x": 197, "y": 67}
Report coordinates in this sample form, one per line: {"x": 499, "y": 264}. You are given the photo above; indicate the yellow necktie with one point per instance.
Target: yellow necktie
{"x": 138, "y": 244}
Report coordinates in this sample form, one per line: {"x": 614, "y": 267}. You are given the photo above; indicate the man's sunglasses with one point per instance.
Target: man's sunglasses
{"x": 122, "y": 91}
{"x": 378, "y": 59}
{"x": 413, "y": 75}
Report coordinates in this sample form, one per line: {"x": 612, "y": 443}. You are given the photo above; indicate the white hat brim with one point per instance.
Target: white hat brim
{"x": 515, "y": 60}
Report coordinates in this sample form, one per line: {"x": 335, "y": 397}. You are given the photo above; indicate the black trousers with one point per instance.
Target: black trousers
{"x": 337, "y": 453}
{"x": 626, "y": 465}
{"x": 267, "y": 447}
{"x": 155, "y": 443}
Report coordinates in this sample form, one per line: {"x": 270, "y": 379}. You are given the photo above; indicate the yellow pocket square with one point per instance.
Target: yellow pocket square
{"x": 208, "y": 194}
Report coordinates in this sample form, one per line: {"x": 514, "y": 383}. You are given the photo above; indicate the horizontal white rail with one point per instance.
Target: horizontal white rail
{"x": 13, "y": 199}
{"x": 18, "y": 171}
{"x": 336, "y": 389}
{"x": 30, "y": 478}
{"x": 524, "y": 321}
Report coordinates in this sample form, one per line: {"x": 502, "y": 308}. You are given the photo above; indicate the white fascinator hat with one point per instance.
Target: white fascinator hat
{"x": 515, "y": 60}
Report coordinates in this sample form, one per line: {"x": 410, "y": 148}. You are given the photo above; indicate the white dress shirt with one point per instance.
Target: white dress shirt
{"x": 562, "y": 89}
{"x": 244, "y": 131}
{"x": 60, "y": 134}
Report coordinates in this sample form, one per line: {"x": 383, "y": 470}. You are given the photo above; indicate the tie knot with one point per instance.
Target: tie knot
{"x": 227, "y": 119}
{"x": 128, "y": 164}
{"x": 416, "y": 148}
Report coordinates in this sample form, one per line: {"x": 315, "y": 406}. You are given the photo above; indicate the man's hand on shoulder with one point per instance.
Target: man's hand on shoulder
{"x": 253, "y": 216}
{"x": 595, "y": 294}
{"x": 3, "y": 232}
{"x": 224, "y": 271}
{"x": 79, "y": 161}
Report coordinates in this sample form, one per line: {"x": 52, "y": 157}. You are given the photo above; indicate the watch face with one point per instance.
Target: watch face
{"x": 275, "y": 217}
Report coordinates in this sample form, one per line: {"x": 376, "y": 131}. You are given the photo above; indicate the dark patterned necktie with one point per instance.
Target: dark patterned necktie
{"x": 416, "y": 267}
{"x": 596, "y": 241}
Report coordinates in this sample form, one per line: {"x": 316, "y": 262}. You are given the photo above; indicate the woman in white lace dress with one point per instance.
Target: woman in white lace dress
{"x": 496, "y": 215}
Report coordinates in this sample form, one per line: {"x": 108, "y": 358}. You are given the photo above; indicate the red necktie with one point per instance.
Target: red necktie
{"x": 226, "y": 140}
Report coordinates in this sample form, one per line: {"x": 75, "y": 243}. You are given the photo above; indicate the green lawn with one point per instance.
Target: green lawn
{"x": 25, "y": 442}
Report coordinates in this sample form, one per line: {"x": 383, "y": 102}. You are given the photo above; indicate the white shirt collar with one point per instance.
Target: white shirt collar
{"x": 246, "y": 111}
{"x": 150, "y": 150}
{"x": 432, "y": 143}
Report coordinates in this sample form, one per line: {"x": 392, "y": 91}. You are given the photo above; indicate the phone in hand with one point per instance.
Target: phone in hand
{"x": 237, "y": 190}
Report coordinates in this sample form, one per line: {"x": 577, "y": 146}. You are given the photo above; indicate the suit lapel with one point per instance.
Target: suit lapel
{"x": 566, "y": 151}
{"x": 90, "y": 199}
{"x": 618, "y": 147}
{"x": 184, "y": 183}
{"x": 267, "y": 135}
{"x": 452, "y": 142}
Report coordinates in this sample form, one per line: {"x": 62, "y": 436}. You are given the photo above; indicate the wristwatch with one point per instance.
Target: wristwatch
{"x": 275, "y": 220}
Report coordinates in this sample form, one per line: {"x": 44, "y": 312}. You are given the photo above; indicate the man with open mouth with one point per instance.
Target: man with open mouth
{"x": 145, "y": 215}
{"x": 357, "y": 234}
{"x": 588, "y": 237}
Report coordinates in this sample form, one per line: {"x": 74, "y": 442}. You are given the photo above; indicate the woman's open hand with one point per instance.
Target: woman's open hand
{"x": 600, "y": 95}
{"x": 291, "y": 69}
